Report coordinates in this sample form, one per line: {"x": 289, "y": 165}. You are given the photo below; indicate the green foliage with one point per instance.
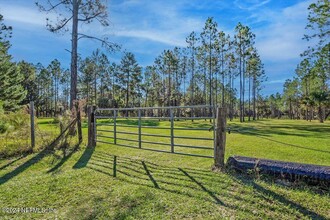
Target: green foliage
{"x": 63, "y": 120}
{"x": 11, "y": 89}
{"x": 187, "y": 188}
{"x": 18, "y": 119}
{"x": 29, "y": 83}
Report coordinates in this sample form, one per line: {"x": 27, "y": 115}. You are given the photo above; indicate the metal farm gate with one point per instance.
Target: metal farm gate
{"x": 186, "y": 130}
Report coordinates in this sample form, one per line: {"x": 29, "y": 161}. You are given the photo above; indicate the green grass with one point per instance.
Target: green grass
{"x": 152, "y": 185}
{"x": 18, "y": 142}
{"x": 288, "y": 140}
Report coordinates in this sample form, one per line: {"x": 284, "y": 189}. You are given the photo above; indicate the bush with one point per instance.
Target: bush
{"x": 18, "y": 119}
{"x": 14, "y": 133}
{"x": 3, "y": 126}
{"x": 63, "y": 120}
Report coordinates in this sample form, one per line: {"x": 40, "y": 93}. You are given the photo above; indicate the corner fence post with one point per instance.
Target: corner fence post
{"x": 172, "y": 130}
{"x": 91, "y": 126}
{"x": 220, "y": 141}
{"x": 139, "y": 124}
{"x": 32, "y": 124}
{"x": 114, "y": 127}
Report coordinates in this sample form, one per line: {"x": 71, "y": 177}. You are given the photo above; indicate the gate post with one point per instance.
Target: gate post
{"x": 114, "y": 127}
{"x": 33, "y": 141}
{"x": 220, "y": 138}
{"x": 91, "y": 126}
{"x": 139, "y": 127}
{"x": 172, "y": 130}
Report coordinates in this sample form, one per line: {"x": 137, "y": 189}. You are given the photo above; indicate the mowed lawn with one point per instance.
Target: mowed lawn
{"x": 151, "y": 185}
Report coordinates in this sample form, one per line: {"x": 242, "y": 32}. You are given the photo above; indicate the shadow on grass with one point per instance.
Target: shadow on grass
{"x": 85, "y": 157}
{"x": 218, "y": 201}
{"x": 11, "y": 162}
{"x": 265, "y": 134}
{"x": 299, "y": 130}
{"x": 60, "y": 140}
{"x": 293, "y": 145}
{"x": 25, "y": 165}
{"x": 197, "y": 184}
{"x": 280, "y": 198}
{"x": 64, "y": 158}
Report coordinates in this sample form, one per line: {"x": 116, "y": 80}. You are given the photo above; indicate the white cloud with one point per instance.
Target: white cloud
{"x": 150, "y": 35}
{"x": 281, "y": 39}
{"x": 250, "y": 4}
{"x": 24, "y": 15}
{"x": 276, "y": 81}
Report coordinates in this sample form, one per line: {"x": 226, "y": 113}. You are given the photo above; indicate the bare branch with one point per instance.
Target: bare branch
{"x": 52, "y": 7}
{"x": 90, "y": 17}
{"x": 108, "y": 45}
{"x": 59, "y": 26}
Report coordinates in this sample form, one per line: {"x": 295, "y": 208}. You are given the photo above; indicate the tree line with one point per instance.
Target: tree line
{"x": 204, "y": 72}
{"x": 212, "y": 69}
{"x": 307, "y": 95}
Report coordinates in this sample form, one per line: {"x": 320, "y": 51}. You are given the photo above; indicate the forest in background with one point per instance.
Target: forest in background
{"x": 213, "y": 69}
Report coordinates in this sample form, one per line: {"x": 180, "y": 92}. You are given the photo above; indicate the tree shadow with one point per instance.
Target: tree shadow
{"x": 280, "y": 198}
{"x": 316, "y": 131}
{"x": 292, "y": 145}
{"x": 265, "y": 134}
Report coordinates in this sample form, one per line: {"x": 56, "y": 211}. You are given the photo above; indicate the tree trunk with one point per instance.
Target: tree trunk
{"x": 74, "y": 106}
{"x": 74, "y": 54}
{"x": 243, "y": 92}
{"x": 249, "y": 98}
{"x": 240, "y": 89}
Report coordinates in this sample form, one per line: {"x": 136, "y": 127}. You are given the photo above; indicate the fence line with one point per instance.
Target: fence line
{"x": 173, "y": 113}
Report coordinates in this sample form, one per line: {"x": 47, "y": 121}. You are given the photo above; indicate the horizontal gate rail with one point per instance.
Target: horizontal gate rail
{"x": 164, "y": 118}
{"x": 198, "y": 147}
{"x": 193, "y": 129}
{"x": 116, "y": 119}
{"x": 106, "y": 130}
{"x": 104, "y": 136}
{"x": 160, "y": 143}
{"x": 124, "y": 132}
{"x": 155, "y": 135}
{"x": 126, "y": 139}
{"x": 150, "y": 108}
{"x": 155, "y": 127}
{"x": 195, "y": 138}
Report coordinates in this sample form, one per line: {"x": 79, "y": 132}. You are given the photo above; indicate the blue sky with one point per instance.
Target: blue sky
{"x": 147, "y": 27}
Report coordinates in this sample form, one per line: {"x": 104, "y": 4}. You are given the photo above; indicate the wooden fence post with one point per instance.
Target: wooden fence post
{"x": 79, "y": 125}
{"x": 172, "y": 130}
{"x": 32, "y": 124}
{"x": 91, "y": 126}
{"x": 139, "y": 127}
{"x": 114, "y": 127}
{"x": 220, "y": 142}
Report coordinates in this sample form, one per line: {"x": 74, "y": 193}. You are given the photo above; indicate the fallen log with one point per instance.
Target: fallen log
{"x": 280, "y": 167}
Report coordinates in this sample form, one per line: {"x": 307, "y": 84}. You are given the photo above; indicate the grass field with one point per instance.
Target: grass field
{"x": 151, "y": 185}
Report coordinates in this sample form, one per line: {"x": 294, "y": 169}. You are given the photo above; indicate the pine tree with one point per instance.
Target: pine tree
{"x": 129, "y": 77}
{"x": 11, "y": 90}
